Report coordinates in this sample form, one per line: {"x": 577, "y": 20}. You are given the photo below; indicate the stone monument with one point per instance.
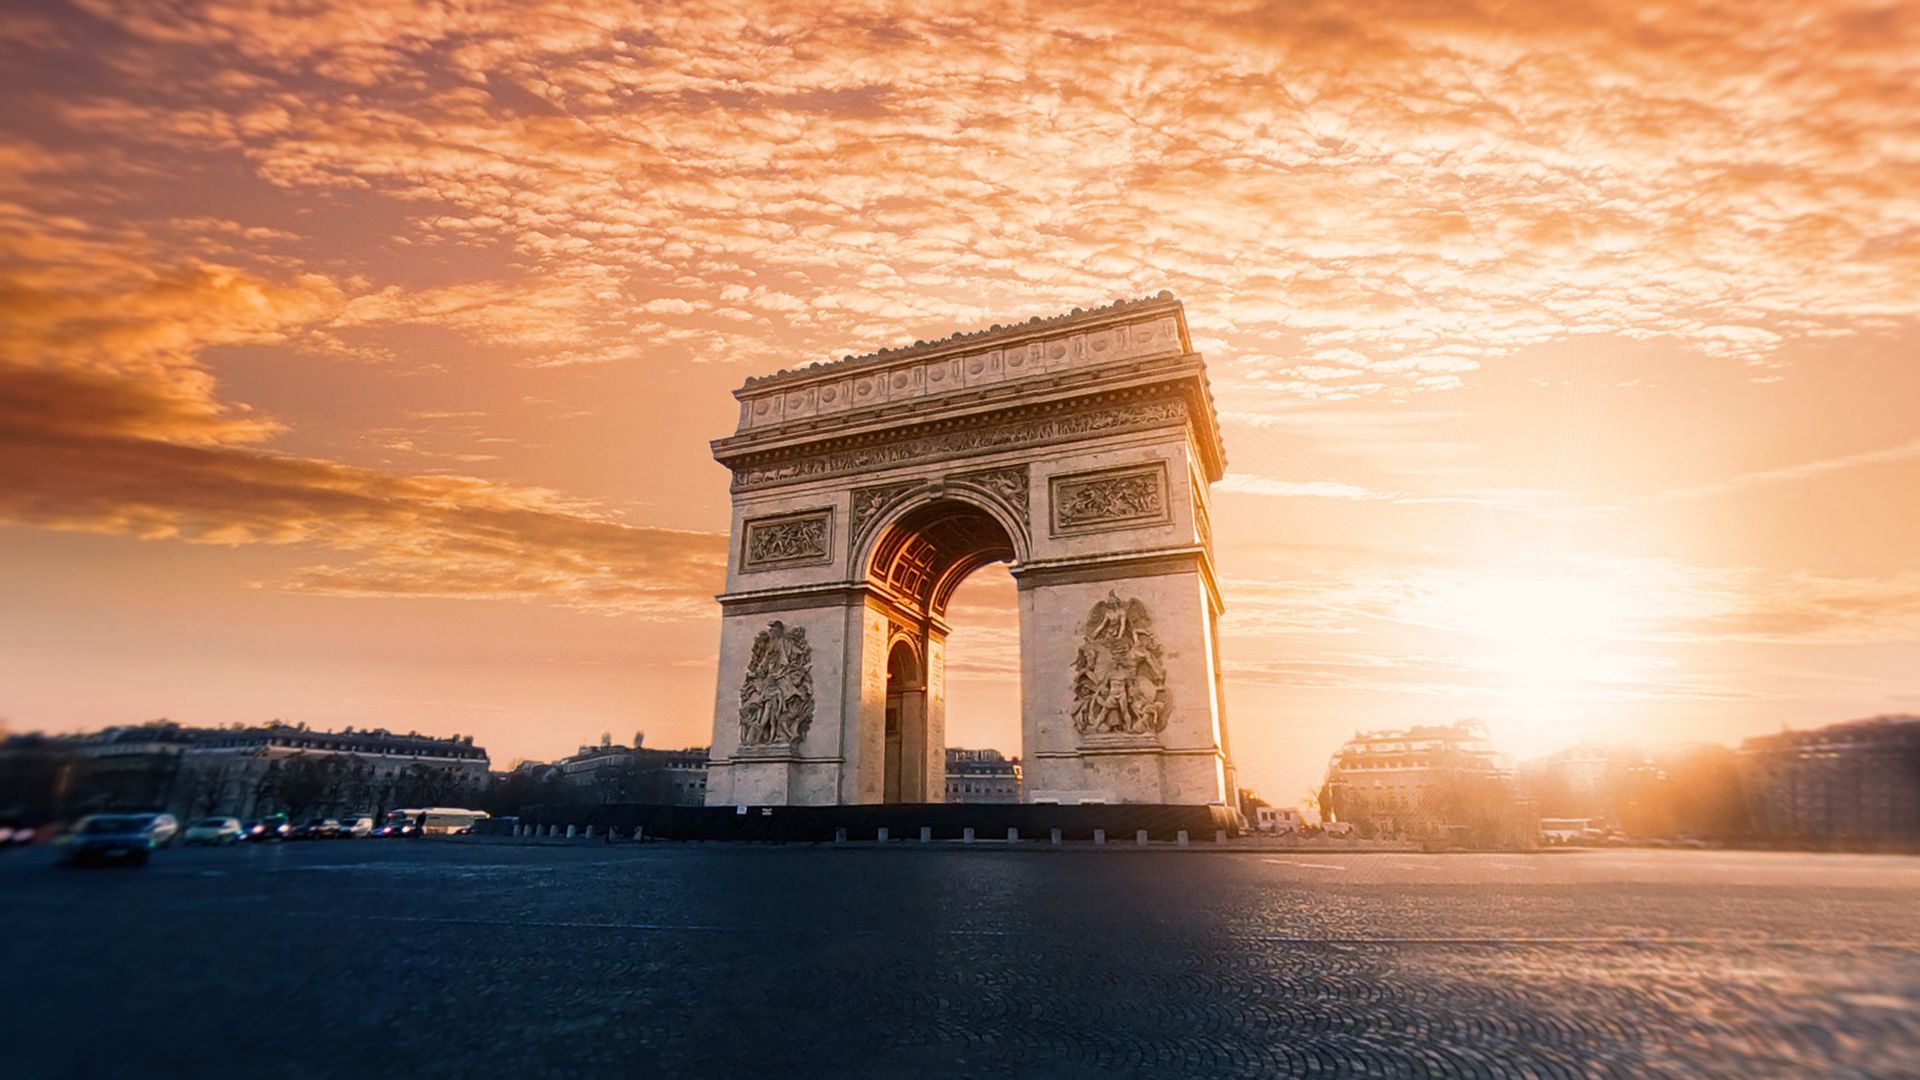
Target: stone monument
{"x": 1080, "y": 449}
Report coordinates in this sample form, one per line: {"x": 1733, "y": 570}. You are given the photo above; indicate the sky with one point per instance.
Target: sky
{"x": 357, "y": 363}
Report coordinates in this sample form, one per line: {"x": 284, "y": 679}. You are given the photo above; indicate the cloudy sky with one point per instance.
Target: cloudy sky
{"x": 358, "y": 367}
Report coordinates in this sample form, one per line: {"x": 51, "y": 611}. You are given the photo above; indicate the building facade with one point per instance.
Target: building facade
{"x": 1854, "y": 783}
{"x": 1418, "y": 781}
{"x": 291, "y": 769}
{"x": 983, "y": 776}
{"x": 610, "y": 773}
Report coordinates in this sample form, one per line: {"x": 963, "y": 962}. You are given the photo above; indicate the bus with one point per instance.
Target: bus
{"x": 430, "y": 821}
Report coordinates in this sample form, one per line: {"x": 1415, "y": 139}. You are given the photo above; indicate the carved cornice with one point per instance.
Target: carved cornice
{"x": 963, "y": 341}
{"x": 1117, "y": 413}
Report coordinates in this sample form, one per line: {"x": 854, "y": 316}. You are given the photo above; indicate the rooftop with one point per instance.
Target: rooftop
{"x": 993, "y": 335}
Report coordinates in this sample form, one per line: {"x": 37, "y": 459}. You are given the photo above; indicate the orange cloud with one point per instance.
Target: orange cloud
{"x": 1403, "y": 192}
{"x": 415, "y": 535}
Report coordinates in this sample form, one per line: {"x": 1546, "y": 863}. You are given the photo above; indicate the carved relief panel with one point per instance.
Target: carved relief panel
{"x": 1109, "y": 499}
{"x": 788, "y": 540}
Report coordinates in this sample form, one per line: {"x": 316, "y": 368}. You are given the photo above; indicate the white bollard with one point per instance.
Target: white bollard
{"x": 1140, "y": 837}
{"x": 966, "y": 837}
{"x": 1099, "y": 836}
{"x": 1219, "y": 836}
{"x": 839, "y": 836}
{"x": 882, "y": 835}
{"x": 1180, "y": 838}
{"x": 589, "y": 832}
{"x": 926, "y": 834}
{"x": 1053, "y": 837}
{"x": 570, "y": 832}
{"x": 1013, "y": 835}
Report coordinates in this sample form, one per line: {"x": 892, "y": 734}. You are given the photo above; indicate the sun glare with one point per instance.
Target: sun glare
{"x": 1547, "y": 649}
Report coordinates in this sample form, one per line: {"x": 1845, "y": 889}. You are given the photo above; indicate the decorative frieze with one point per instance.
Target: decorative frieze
{"x": 1119, "y": 674}
{"x": 1109, "y": 499}
{"x": 870, "y": 502}
{"x": 1110, "y": 419}
{"x": 939, "y": 368}
{"x": 1009, "y": 484}
{"x": 776, "y": 695}
{"x": 788, "y": 540}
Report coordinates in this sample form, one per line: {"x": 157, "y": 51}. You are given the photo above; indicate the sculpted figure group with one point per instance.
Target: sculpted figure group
{"x": 776, "y": 696}
{"x": 1120, "y": 678}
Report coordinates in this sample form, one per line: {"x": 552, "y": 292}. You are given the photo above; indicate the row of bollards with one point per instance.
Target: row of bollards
{"x": 840, "y": 835}
{"x": 967, "y": 836}
{"x": 589, "y": 832}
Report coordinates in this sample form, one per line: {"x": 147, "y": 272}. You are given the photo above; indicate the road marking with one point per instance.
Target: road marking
{"x": 1308, "y": 865}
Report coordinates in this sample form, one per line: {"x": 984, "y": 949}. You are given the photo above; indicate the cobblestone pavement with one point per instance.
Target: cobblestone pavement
{"x": 495, "y": 958}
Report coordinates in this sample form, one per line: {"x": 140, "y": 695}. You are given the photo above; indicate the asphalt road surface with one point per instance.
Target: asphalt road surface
{"x": 479, "y": 958}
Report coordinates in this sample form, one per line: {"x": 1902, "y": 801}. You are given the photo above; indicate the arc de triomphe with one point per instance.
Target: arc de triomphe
{"x": 1080, "y": 449}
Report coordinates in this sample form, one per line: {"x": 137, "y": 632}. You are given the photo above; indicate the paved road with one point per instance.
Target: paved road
{"x": 493, "y": 958}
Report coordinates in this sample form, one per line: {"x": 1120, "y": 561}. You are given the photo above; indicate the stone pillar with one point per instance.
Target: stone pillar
{"x": 1176, "y": 757}
{"x": 835, "y": 761}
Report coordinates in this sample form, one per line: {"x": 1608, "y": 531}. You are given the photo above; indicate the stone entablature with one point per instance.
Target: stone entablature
{"x": 1121, "y": 331}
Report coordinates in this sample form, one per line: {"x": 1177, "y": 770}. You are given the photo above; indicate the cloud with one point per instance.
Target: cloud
{"x": 1907, "y": 451}
{"x": 110, "y": 422}
{"x": 1496, "y": 498}
{"x": 1405, "y": 193}
{"x": 405, "y": 535}
{"x": 1242, "y": 484}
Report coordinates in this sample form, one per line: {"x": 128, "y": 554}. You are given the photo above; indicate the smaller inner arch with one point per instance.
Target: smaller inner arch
{"x": 925, "y": 555}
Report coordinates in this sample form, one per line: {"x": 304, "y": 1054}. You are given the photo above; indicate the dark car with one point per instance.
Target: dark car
{"x": 315, "y": 829}
{"x": 271, "y": 827}
{"x": 17, "y": 833}
{"x": 399, "y": 825}
{"x": 110, "y": 838}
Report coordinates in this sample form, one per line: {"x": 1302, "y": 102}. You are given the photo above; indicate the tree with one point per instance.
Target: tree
{"x": 304, "y": 782}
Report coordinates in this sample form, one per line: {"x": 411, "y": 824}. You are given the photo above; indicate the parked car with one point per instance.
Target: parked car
{"x": 213, "y": 830}
{"x": 315, "y": 829}
{"x": 164, "y": 827}
{"x": 17, "y": 834}
{"x": 110, "y": 838}
{"x": 356, "y": 826}
{"x": 271, "y": 827}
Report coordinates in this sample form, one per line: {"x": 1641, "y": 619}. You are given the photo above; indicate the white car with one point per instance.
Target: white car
{"x": 355, "y": 826}
{"x": 214, "y": 830}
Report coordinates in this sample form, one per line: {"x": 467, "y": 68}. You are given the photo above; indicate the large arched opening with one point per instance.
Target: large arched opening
{"x": 916, "y": 563}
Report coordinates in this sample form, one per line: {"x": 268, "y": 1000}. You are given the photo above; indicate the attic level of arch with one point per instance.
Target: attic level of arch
{"x": 1177, "y": 399}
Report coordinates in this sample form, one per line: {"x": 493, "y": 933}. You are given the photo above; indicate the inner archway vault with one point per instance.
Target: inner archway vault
{"x": 919, "y": 559}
